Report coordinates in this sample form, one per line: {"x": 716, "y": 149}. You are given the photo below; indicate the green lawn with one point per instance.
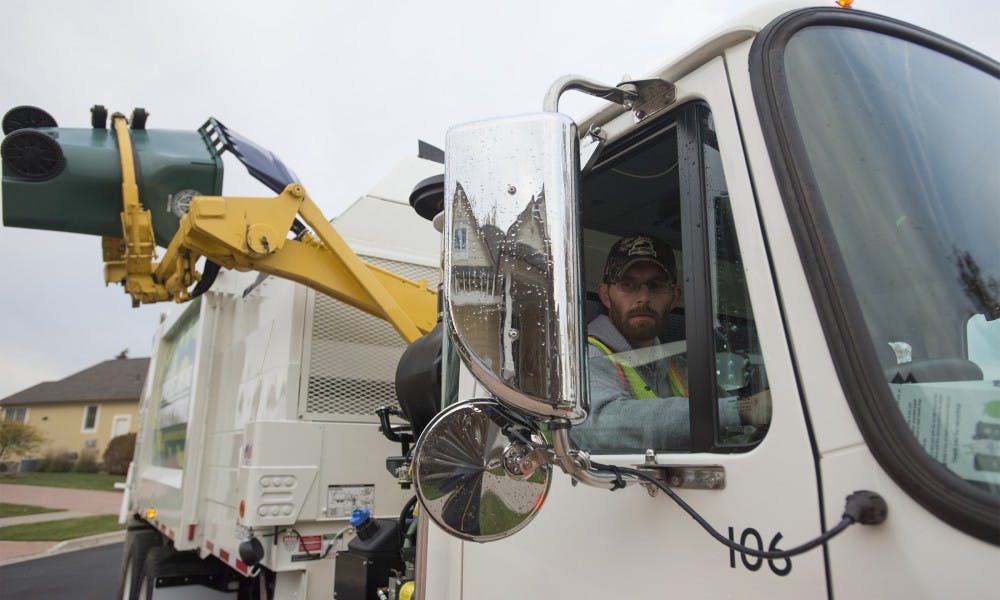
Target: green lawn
{"x": 19, "y": 510}
{"x": 57, "y": 531}
{"x": 84, "y": 481}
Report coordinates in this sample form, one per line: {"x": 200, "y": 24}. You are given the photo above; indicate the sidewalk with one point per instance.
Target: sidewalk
{"x": 74, "y": 502}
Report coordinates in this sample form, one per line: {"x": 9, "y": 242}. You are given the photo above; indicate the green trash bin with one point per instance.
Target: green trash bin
{"x": 65, "y": 179}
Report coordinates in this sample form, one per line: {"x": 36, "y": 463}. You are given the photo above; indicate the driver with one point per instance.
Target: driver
{"x": 638, "y": 387}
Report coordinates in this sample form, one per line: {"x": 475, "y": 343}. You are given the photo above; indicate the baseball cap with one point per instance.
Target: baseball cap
{"x": 633, "y": 249}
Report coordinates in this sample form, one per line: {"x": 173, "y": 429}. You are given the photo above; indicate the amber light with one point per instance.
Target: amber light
{"x": 845, "y": 3}
{"x": 243, "y": 508}
{"x": 151, "y": 513}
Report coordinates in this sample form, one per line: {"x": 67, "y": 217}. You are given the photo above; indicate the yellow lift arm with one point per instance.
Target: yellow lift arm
{"x": 252, "y": 234}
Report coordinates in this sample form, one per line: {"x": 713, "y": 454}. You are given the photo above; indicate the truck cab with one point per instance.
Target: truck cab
{"x": 826, "y": 182}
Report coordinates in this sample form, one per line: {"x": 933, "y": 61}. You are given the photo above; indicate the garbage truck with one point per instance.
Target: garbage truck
{"x": 256, "y": 461}
{"x": 822, "y": 181}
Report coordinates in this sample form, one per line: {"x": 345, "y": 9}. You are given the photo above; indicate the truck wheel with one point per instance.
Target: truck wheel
{"x": 185, "y": 575}
{"x": 147, "y": 576}
{"x": 260, "y": 587}
{"x": 139, "y": 540}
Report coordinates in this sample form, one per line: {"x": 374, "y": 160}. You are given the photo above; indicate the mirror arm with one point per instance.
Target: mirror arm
{"x": 624, "y": 95}
{"x": 577, "y": 464}
{"x": 642, "y": 96}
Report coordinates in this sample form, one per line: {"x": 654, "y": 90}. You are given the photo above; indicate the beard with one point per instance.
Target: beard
{"x": 637, "y": 330}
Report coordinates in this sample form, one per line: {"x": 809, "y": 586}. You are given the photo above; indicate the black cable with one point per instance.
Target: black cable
{"x": 863, "y": 507}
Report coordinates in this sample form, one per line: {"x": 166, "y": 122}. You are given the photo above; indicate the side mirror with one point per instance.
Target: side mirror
{"x": 511, "y": 297}
{"x": 481, "y": 472}
{"x": 512, "y": 273}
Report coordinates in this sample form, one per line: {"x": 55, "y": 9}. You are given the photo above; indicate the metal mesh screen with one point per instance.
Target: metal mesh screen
{"x": 352, "y": 369}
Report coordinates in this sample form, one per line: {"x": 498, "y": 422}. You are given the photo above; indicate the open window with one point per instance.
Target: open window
{"x": 700, "y": 385}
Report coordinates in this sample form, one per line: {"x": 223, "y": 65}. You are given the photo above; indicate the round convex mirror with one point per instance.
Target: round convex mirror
{"x": 481, "y": 473}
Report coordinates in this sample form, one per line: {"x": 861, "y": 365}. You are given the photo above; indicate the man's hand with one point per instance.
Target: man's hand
{"x": 755, "y": 410}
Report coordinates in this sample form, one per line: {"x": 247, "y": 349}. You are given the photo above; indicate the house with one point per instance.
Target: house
{"x": 500, "y": 282}
{"x": 84, "y": 411}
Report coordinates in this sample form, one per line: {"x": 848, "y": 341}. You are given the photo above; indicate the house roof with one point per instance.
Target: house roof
{"x": 116, "y": 379}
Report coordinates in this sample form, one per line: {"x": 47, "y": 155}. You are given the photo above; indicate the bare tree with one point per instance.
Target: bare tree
{"x": 18, "y": 438}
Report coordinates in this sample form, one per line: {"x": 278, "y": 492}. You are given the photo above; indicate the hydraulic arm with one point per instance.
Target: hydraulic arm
{"x": 254, "y": 234}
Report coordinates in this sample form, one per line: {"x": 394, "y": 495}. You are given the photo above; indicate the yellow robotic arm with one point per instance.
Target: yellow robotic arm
{"x": 252, "y": 234}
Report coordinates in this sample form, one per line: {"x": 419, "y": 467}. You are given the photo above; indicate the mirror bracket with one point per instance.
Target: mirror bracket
{"x": 690, "y": 477}
{"x": 643, "y": 97}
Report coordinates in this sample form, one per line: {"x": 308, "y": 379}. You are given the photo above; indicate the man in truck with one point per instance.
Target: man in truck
{"x": 638, "y": 386}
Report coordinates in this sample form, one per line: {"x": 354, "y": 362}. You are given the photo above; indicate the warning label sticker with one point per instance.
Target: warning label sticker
{"x": 305, "y": 543}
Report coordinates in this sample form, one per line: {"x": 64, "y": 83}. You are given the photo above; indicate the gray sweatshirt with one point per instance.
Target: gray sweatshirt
{"x": 619, "y": 423}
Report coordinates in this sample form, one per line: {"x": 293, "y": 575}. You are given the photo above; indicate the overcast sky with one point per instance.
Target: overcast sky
{"x": 339, "y": 90}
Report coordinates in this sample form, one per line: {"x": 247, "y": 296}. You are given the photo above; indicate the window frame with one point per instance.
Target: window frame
{"x": 10, "y": 411}
{"x": 97, "y": 417}
{"x": 703, "y": 416}
{"x": 699, "y": 315}
{"x": 882, "y": 426}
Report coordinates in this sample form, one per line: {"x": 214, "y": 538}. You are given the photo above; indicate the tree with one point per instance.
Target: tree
{"x": 18, "y": 438}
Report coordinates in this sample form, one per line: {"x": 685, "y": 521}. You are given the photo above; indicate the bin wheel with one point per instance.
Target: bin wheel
{"x": 26, "y": 117}
{"x": 31, "y": 154}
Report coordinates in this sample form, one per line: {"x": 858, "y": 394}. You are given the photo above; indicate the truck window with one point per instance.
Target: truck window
{"x": 891, "y": 138}
{"x": 638, "y": 297}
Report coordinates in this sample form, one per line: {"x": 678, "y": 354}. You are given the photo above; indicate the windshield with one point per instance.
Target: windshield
{"x": 904, "y": 145}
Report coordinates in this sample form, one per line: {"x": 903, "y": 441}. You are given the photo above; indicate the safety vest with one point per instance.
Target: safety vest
{"x": 636, "y": 384}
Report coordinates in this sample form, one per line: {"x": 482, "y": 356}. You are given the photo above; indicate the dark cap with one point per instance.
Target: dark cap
{"x": 634, "y": 249}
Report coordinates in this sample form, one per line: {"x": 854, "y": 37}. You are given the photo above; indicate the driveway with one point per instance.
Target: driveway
{"x": 78, "y": 503}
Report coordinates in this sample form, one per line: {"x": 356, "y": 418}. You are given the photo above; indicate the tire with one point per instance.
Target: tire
{"x": 32, "y": 155}
{"x": 26, "y": 117}
{"x": 140, "y": 539}
{"x": 260, "y": 587}
{"x": 185, "y": 575}
{"x": 147, "y": 577}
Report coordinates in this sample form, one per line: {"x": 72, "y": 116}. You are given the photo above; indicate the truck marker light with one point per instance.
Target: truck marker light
{"x": 191, "y": 532}
{"x": 845, "y": 3}
{"x": 151, "y": 513}
{"x": 243, "y": 508}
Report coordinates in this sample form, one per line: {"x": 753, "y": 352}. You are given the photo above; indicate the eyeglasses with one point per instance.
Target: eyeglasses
{"x": 655, "y": 286}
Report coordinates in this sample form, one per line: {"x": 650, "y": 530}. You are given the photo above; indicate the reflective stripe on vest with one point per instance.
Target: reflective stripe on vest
{"x": 626, "y": 372}
{"x": 637, "y": 385}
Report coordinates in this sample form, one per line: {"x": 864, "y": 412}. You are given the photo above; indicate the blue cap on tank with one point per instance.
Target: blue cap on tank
{"x": 359, "y": 516}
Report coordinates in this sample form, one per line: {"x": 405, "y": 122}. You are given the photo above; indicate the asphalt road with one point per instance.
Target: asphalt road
{"x": 90, "y": 574}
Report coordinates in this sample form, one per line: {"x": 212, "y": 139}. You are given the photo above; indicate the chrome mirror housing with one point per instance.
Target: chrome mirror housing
{"x": 481, "y": 472}
{"x": 513, "y": 276}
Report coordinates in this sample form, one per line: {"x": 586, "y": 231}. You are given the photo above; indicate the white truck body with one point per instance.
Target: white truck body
{"x": 262, "y": 393}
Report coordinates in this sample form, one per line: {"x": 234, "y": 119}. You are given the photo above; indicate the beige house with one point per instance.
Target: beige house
{"x": 85, "y": 410}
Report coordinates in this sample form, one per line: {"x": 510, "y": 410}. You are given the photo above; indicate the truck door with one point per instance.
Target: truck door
{"x": 680, "y": 177}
